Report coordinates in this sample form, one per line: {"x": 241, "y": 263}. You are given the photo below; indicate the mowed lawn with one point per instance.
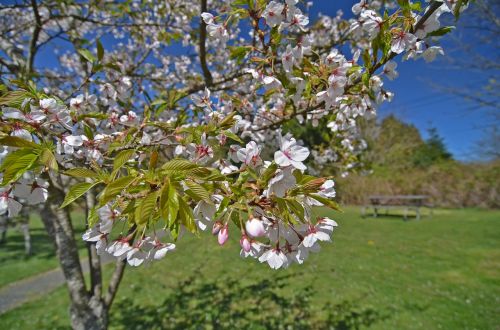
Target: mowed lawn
{"x": 437, "y": 273}
{"x": 16, "y": 265}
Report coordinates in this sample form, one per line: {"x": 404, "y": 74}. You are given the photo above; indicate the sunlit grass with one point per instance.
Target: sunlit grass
{"x": 384, "y": 273}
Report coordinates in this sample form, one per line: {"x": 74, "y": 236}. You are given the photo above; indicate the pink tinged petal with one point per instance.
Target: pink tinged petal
{"x": 309, "y": 240}
{"x": 73, "y": 140}
{"x": 298, "y": 165}
{"x": 22, "y": 133}
{"x": 105, "y": 226}
{"x": 322, "y": 236}
{"x": 245, "y": 243}
{"x": 14, "y": 207}
{"x": 255, "y": 227}
{"x": 11, "y": 113}
{"x": 241, "y": 154}
{"x": 207, "y": 18}
{"x": 299, "y": 153}
{"x": 121, "y": 249}
{"x": 135, "y": 257}
{"x": 281, "y": 159}
{"x": 276, "y": 259}
{"x": 161, "y": 252}
{"x": 3, "y": 205}
{"x": 223, "y": 235}
{"x": 265, "y": 256}
{"x": 101, "y": 245}
{"x": 22, "y": 189}
{"x": 216, "y": 228}
{"x": 37, "y": 196}
{"x": 91, "y": 235}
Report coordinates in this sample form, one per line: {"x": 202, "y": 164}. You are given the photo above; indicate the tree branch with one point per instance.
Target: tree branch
{"x": 202, "y": 45}
{"x": 114, "y": 283}
{"x": 94, "y": 259}
{"x": 34, "y": 38}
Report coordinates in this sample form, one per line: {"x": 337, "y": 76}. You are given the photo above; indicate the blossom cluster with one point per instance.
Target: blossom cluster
{"x": 179, "y": 143}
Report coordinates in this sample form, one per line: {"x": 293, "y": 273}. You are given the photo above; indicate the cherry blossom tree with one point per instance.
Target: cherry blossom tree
{"x": 155, "y": 143}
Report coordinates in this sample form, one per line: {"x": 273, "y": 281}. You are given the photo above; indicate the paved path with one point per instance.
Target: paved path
{"x": 15, "y": 294}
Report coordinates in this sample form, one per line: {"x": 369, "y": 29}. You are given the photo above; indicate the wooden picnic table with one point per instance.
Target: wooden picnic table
{"x": 407, "y": 202}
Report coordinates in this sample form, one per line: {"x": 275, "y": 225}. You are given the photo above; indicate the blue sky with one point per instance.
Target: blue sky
{"x": 417, "y": 101}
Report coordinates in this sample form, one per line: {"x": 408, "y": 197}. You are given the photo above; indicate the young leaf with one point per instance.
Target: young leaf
{"x": 77, "y": 191}
{"x": 100, "y": 50}
{"x": 198, "y": 191}
{"x": 179, "y": 164}
{"x": 114, "y": 188}
{"x": 14, "y": 141}
{"x": 122, "y": 157}
{"x": 48, "y": 159}
{"x": 172, "y": 205}
{"x": 186, "y": 216}
{"x": 87, "y": 55}
{"x": 17, "y": 168}
{"x": 146, "y": 207}
{"x": 92, "y": 218}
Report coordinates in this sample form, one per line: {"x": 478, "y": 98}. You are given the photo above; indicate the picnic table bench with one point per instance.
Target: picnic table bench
{"x": 407, "y": 202}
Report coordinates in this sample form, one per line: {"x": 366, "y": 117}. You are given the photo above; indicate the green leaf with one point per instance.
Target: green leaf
{"x": 417, "y": 6}
{"x": 233, "y": 136}
{"x": 14, "y": 98}
{"x": 76, "y": 192}
{"x": 179, "y": 164}
{"x": 186, "y": 216}
{"x": 100, "y": 50}
{"x": 13, "y": 156}
{"x": 92, "y": 218}
{"x": 122, "y": 157}
{"x": 198, "y": 191}
{"x": 14, "y": 141}
{"x": 325, "y": 201}
{"x": 173, "y": 205}
{"x": 18, "y": 167}
{"x": 80, "y": 172}
{"x": 87, "y": 55}
{"x": 238, "y": 53}
{"x": 48, "y": 159}
{"x": 268, "y": 173}
{"x": 146, "y": 208}
{"x": 441, "y": 31}
{"x": 456, "y": 11}
{"x": 114, "y": 188}
{"x": 296, "y": 207}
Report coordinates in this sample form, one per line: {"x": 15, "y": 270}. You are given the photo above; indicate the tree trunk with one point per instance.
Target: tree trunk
{"x": 87, "y": 312}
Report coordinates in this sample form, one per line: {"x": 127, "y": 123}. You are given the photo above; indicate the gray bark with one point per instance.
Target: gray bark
{"x": 87, "y": 312}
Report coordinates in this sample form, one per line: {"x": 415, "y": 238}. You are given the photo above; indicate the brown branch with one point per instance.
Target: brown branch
{"x": 94, "y": 259}
{"x": 117, "y": 276}
{"x": 432, "y": 8}
{"x": 203, "y": 51}
{"x": 34, "y": 38}
{"x": 114, "y": 283}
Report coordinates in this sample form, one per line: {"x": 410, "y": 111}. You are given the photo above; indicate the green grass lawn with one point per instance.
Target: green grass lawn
{"x": 16, "y": 265}
{"x": 379, "y": 273}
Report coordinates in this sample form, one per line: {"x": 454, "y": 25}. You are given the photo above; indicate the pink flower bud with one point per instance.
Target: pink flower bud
{"x": 223, "y": 235}
{"x": 216, "y": 228}
{"x": 245, "y": 243}
{"x": 255, "y": 227}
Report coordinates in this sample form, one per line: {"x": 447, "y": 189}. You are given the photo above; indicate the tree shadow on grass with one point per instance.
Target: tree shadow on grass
{"x": 13, "y": 247}
{"x": 229, "y": 304}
